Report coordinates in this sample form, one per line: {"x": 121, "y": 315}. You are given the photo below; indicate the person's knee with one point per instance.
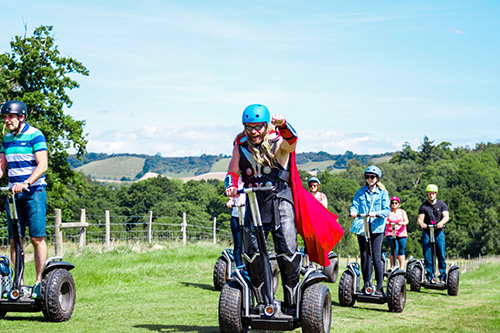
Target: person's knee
{"x": 37, "y": 241}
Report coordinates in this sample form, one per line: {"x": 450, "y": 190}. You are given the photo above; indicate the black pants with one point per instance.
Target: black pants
{"x": 366, "y": 266}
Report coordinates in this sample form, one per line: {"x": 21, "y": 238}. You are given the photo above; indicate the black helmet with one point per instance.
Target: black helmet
{"x": 15, "y": 107}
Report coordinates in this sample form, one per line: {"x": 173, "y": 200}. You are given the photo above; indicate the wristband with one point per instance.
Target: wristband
{"x": 288, "y": 133}
{"x": 231, "y": 180}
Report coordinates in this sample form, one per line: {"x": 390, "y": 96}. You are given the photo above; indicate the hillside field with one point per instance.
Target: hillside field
{"x": 169, "y": 288}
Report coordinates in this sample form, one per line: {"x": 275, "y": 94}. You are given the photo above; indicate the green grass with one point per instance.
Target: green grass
{"x": 169, "y": 288}
{"x": 221, "y": 165}
{"x": 310, "y": 166}
{"x": 114, "y": 168}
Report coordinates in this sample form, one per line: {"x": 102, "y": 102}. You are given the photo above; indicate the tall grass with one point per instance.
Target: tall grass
{"x": 168, "y": 288}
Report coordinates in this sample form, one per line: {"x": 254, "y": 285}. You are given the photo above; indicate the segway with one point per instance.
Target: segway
{"x": 331, "y": 271}
{"x": 237, "y": 298}
{"x": 226, "y": 265}
{"x": 350, "y": 282}
{"x": 416, "y": 271}
{"x": 385, "y": 257}
{"x": 57, "y": 292}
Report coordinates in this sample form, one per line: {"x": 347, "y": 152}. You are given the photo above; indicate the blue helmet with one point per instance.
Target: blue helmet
{"x": 15, "y": 107}
{"x": 374, "y": 170}
{"x": 256, "y": 113}
{"x": 314, "y": 179}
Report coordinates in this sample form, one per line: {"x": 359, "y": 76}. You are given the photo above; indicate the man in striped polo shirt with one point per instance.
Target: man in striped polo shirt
{"x": 24, "y": 152}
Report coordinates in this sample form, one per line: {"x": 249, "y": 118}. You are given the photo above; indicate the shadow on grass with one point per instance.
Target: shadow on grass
{"x": 178, "y": 328}
{"x": 39, "y": 318}
{"x": 363, "y": 308}
{"x": 199, "y": 285}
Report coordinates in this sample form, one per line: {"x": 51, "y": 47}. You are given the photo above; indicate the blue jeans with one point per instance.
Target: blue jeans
{"x": 31, "y": 212}
{"x": 400, "y": 245}
{"x": 235, "y": 229}
{"x": 440, "y": 252}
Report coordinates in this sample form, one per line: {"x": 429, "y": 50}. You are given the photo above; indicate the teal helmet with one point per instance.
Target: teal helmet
{"x": 15, "y": 107}
{"x": 256, "y": 113}
{"x": 373, "y": 169}
{"x": 313, "y": 179}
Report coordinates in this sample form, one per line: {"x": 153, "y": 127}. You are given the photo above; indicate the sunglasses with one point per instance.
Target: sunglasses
{"x": 257, "y": 128}
{"x": 394, "y": 203}
{"x": 370, "y": 176}
{"x": 313, "y": 184}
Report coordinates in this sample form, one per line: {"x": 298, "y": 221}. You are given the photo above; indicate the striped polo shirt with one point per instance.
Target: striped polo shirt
{"x": 20, "y": 152}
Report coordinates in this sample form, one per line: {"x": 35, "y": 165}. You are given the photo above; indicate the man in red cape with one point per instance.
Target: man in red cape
{"x": 316, "y": 224}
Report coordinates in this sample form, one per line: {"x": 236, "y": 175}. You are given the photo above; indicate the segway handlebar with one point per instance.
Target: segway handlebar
{"x": 9, "y": 189}
{"x": 256, "y": 189}
{"x": 363, "y": 215}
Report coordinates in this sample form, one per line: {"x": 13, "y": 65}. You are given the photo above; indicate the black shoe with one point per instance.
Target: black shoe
{"x": 379, "y": 292}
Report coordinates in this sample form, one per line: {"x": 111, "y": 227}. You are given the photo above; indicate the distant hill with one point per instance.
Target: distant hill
{"x": 132, "y": 167}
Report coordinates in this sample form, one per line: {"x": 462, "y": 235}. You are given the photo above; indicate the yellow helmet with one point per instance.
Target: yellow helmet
{"x": 431, "y": 188}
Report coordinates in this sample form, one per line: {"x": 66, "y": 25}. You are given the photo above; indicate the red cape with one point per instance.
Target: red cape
{"x": 316, "y": 224}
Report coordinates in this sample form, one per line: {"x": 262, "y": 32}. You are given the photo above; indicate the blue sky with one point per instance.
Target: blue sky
{"x": 173, "y": 77}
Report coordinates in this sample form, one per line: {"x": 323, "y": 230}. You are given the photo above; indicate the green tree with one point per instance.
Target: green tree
{"x": 35, "y": 73}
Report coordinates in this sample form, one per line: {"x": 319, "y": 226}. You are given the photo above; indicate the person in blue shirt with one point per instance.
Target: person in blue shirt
{"x": 23, "y": 154}
{"x": 371, "y": 199}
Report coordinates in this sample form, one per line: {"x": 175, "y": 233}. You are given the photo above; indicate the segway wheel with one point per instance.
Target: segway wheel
{"x": 331, "y": 271}
{"x": 409, "y": 268}
{"x": 346, "y": 289}
{"x": 231, "y": 309}
{"x": 316, "y": 309}
{"x": 220, "y": 273}
{"x": 276, "y": 275}
{"x": 58, "y": 295}
{"x": 453, "y": 278}
{"x": 415, "y": 278}
{"x": 396, "y": 293}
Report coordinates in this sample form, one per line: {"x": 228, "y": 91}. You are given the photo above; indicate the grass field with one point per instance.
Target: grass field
{"x": 169, "y": 288}
{"x": 114, "y": 168}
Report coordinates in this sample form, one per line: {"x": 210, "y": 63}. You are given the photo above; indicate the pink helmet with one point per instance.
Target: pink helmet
{"x": 395, "y": 199}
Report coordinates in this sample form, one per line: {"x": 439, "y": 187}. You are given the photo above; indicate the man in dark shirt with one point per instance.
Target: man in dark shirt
{"x": 433, "y": 211}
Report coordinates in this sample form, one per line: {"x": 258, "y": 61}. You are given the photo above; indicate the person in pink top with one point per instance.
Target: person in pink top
{"x": 314, "y": 185}
{"x": 398, "y": 216}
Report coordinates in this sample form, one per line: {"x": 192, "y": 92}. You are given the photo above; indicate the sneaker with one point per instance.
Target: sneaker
{"x": 36, "y": 291}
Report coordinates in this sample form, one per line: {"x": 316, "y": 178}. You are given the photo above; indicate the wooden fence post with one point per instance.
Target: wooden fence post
{"x": 184, "y": 227}
{"x": 108, "y": 230}
{"x": 83, "y": 231}
{"x": 215, "y": 230}
{"x": 150, "y": 222}
{"x": 58, "y": 247}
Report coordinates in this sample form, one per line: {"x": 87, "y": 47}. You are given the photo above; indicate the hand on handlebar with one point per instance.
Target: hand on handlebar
{"x": 232, "y": 192}
{"x": 19, "y": 187}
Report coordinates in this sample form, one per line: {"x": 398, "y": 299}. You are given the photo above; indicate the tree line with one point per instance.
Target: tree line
{"x": 468, "y": 178}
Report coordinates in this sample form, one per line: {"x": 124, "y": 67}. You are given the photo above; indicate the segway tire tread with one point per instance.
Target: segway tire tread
{"x": 453, "y": 279}
{"x": 346, "y": 289}
{"x": 316, "y": 309}
{"x": 415, "y": 278}
{"x": 58, "y": 295}
{"x": 396, "y": 293}
{"x": 231, "y": 309}
{"x": 220, "y": 271}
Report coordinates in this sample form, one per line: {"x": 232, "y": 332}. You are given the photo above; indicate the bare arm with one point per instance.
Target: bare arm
{"x": 405, "y": 218}
{"x": 234, "y": 168}
{"x": 420, "y": 221}
{"x": 446, "y": 218}
{"x": 42, "y": 165}
{"x": 3, "y": 164}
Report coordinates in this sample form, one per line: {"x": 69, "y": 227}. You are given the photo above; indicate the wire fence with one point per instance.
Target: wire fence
{"x": 105, "y": 229}
{"x": 133, "y": 229}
